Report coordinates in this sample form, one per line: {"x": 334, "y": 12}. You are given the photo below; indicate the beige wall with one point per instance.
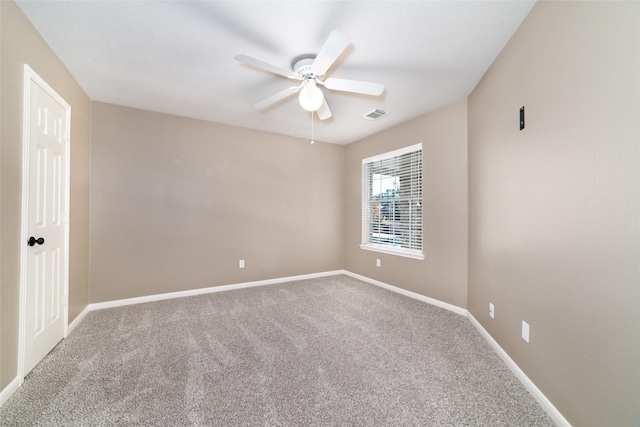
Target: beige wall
{"x": 176, "y": 202}
{"x": 20, "y": 44}
{"x": 544, "y": 223}
{"x": 554, "y": 210}
{"x": 443, "y": 273}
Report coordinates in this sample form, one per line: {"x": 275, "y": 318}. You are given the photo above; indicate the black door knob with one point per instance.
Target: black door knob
{"x": 32, "y": 241}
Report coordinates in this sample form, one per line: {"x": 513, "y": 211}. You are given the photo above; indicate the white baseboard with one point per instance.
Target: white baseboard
{"x": 546, "y": 404}
{"x": 222, "y": 288}
{"x": 9, "y": 390}
{"x": 78, "y": 319}
{"x": 458, "y": 310}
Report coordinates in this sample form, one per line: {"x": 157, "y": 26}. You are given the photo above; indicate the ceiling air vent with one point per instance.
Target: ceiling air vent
{"x": 374, "y": 114}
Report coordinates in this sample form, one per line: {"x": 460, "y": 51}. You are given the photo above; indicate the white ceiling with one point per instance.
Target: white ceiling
{"x": 178, "y": 57}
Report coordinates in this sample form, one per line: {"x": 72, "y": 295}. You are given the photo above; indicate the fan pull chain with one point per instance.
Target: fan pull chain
{"x": 312, "y": 140}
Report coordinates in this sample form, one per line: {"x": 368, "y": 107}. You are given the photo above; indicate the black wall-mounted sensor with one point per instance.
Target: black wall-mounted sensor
{"x": 521, "y": 118}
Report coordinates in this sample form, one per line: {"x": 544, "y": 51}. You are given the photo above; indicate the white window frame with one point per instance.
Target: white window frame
{"x": 386, "y": 248}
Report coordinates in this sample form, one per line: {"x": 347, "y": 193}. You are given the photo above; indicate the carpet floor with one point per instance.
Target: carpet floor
{"x": 332, "y": 351}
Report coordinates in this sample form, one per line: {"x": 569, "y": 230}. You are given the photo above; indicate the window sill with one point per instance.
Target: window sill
{"x": 407, "y": 253}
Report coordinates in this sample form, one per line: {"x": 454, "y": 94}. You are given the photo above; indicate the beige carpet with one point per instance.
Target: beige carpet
{"x": 330, "y": 351}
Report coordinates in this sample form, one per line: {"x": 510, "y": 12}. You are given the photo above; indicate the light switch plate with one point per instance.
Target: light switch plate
{"x": 525, "y": 331}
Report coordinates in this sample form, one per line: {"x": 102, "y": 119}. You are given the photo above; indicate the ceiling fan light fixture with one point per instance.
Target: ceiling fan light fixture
{"x": 310, "y": 70}
{"x": 311, "y": 97}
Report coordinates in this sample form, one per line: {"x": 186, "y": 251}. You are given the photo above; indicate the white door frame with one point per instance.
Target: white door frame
{"x": 32, "y": 76}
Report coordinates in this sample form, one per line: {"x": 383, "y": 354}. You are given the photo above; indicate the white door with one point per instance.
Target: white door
{"x": 46, "y": 216}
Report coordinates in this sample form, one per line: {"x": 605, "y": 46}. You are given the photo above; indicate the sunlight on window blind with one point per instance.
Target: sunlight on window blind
{"x": 392, "y": 201}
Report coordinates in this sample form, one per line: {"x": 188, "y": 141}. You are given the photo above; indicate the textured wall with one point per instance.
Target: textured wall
{"x": 20, "y": 44}
{"x": 176, "y": 202}
{"x": 443, "y": 273}
{"x": 554, "y": 210}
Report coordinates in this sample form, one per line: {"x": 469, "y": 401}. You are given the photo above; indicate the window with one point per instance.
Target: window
{"x": 392, "y": 202}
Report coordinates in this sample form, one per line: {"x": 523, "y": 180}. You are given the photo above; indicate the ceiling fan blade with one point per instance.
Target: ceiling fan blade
{"x": 273, "y": 99}
{"x": 324, "y": 112}
{"x": 248, "y": 60}
{"x": 336, "y": 43}
{"x": 354, "y": 86}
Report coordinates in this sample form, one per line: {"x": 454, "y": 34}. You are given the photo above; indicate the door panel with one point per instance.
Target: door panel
{"x": 47, "y": 203}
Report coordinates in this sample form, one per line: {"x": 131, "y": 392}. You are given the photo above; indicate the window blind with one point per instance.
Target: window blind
{"x": 392, "y": 202}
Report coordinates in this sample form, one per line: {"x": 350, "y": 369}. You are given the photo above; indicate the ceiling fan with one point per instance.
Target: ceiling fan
{"x": 310, "y": 70}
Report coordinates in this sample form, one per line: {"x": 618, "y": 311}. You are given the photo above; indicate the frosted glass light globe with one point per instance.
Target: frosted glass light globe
{"x": 311, "y": 97}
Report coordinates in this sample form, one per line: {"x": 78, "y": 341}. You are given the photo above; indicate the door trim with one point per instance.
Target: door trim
{"x": 31, "y": 76}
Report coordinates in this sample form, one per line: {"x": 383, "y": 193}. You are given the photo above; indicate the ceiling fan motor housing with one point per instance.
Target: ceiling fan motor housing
{"x": 301, "y": 65}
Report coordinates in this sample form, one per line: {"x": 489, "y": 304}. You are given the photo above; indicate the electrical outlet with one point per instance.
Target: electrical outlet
{"x": 525, "y": 331}
{"x": 378, "y": 262}
{"x": 491, "y": 310}
{"x": 241, "y": 263}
